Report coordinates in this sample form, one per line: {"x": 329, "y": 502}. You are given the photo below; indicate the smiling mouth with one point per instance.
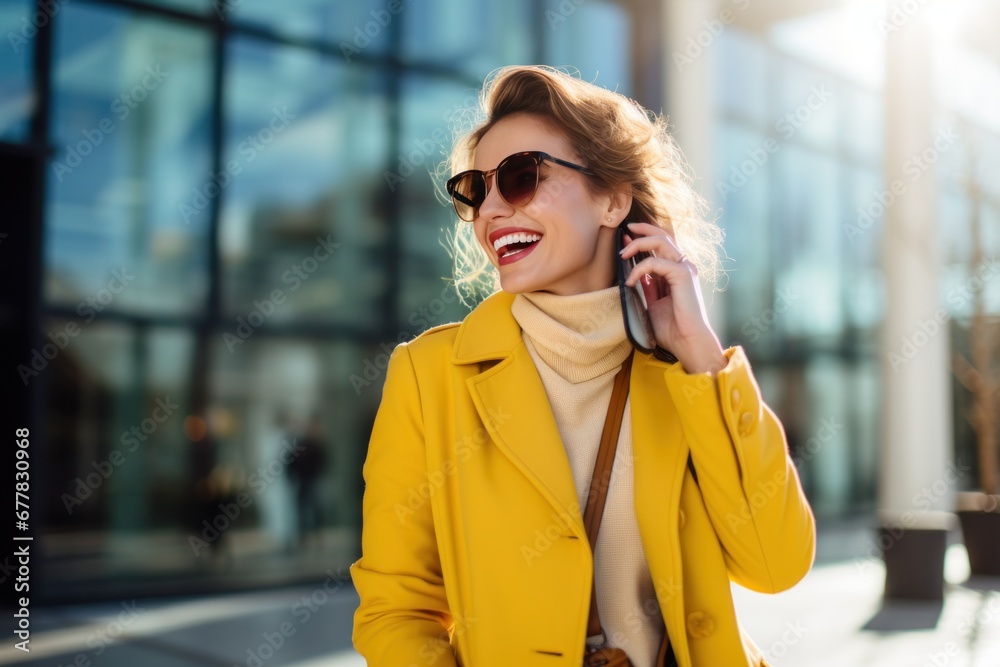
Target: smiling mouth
{"x": 513, "y": 244}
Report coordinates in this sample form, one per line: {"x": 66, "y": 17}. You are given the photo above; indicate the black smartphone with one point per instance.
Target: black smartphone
{"x": 634, "y": 301}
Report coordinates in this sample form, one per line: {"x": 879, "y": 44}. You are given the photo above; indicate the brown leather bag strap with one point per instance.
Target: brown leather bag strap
{"x": 601, "y": 479}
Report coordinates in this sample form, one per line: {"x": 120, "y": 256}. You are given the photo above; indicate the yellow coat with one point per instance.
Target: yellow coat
{"x": 473, "y": 546}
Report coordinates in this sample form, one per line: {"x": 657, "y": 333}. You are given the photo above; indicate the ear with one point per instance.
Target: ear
{"x": 619, "y": 204}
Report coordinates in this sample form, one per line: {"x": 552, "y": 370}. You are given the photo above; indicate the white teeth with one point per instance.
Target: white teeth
{"x": 520, "y": 237}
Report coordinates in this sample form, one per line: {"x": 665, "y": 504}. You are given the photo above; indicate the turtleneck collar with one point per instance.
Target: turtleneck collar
{"x": 581, "y": 336}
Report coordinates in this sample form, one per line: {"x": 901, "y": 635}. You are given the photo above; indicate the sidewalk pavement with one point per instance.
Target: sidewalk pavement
{"x": 836, "y": 617}
{"x": 833, "y": 618}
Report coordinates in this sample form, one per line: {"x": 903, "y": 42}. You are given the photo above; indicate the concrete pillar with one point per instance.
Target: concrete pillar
{"x": 916, "y": 490}
{"x": 690, "y": 102}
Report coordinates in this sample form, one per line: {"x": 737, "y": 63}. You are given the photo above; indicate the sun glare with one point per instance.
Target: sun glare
{"x": 849, "y": 41}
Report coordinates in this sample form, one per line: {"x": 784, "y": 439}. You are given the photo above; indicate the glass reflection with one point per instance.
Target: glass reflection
{"x": 570, "y": 30}
{"x": 430, "y": 107}
{"x": 360, "y": 28}
{"x": 130, "y": 126}
{"x": 285, "y": 429}
{"x": 806, "y": 232}
{"x": 118, "y": 460}
{"x": 470, "y": 37}
{"x": 302, "y": 218}
{"x": 18, "y": 25}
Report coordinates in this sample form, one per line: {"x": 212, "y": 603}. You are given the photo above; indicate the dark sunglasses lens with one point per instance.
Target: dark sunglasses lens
{"x": 518, "y": 179}
{"x": 468, "y": 195}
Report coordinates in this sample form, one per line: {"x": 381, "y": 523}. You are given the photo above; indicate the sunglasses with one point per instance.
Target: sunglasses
{"x": 516, "y": 179}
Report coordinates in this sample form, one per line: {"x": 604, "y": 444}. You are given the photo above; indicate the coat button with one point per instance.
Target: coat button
{"x": 746, "y": 423}
{"x": 735, "y": 396}
{"x": 700, "y": 624}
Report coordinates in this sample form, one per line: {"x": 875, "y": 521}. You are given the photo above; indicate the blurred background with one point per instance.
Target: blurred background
{"x": 219, "y": 218}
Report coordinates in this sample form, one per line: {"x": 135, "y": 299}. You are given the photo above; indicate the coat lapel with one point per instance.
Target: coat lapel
{"x": 511, "y": 387}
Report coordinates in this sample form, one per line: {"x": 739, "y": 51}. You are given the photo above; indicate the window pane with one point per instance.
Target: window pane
{"x": 357, "y": 27}
{"x": 742, "y": 84}
{"x": 988, "y": 164}
{"x": 277, "y": 393}
{"x": 864, "y": 131}
{"x": 88, "y": 381}
{"x": 569, "y": 31}
{"x": 303, "y": 215}
{"x": 119, "y": 463}
{"x": 130, "y": 123}
{"x": 18, "y": 25}
{"x": 426, "y": 299}
{"x": 474, "y": 37}
{"x": 742, "y": 190}
{"x": 807, "y": 240}
{"x": 115, "y": 412}
{"x": 807, "y": 106}
{"x": 863, "y": 221}
{"x": 954, "y": 211}
{"x": 834, "y": 469}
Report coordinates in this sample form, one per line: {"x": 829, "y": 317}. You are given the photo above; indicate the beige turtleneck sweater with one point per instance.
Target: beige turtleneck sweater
{"x": 578, "y": 344}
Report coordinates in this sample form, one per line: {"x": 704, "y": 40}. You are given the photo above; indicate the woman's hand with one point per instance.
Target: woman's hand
{"x": 676, "y": 309}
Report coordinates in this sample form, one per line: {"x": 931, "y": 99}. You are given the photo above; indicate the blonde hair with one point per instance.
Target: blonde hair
{"x": 622, "y": 143}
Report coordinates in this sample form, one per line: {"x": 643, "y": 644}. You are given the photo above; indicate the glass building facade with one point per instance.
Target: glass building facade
{"x": 238, "y": 223}
{"x": 800, "y": 135}
{"x": 234, "y": 220}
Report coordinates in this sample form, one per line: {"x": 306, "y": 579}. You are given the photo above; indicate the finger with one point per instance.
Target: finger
{"x": 654, "y": 288}
{"x": 660, "y": 245}
{"x": 642, "y": 229}
{"x": 664, "y": 249}
{"x": 672, "y": 271}
{"x": 645, "y": 228}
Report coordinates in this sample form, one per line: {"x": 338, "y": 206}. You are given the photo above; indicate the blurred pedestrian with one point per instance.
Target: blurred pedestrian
{"x": 305, "y": 472}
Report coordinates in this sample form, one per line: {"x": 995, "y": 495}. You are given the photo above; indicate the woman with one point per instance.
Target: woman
{"x": 481, "y": 457}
